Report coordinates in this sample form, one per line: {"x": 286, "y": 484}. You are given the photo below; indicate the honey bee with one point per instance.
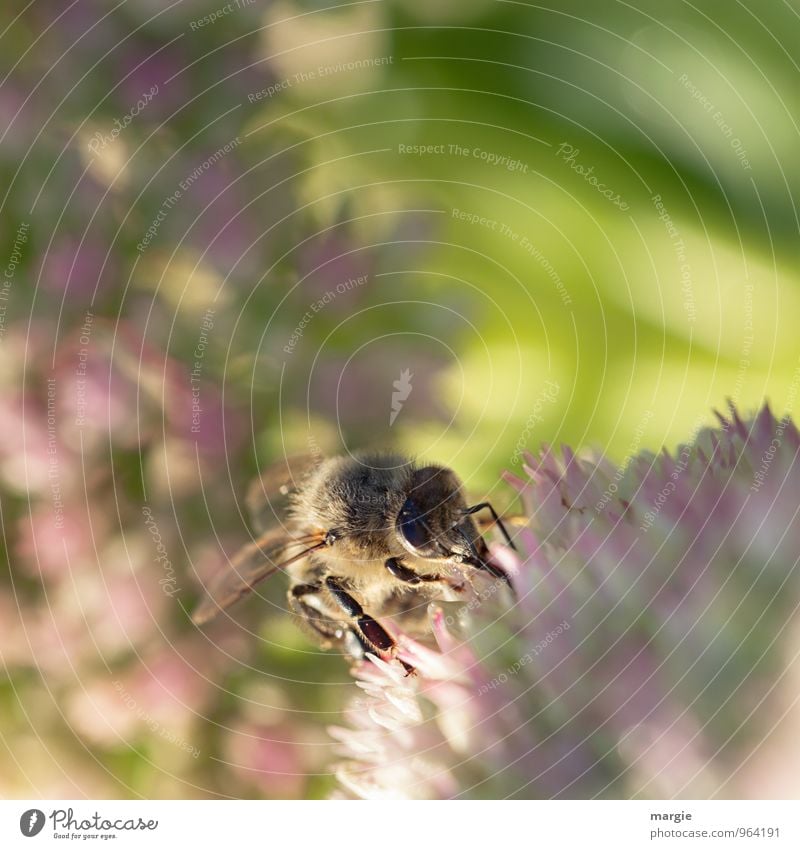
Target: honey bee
{"x": 364, "y": 536}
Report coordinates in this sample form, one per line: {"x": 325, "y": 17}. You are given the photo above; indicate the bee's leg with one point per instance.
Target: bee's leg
{"x": 355, "y": 645}
{"x": 486, "y": 564}
{"x": 493, "y": 569}
{"x": 370, "y": 629}
{"x": 394, "y": 566}
{"x": 397, "y": 569}
{"x": 479, "y": 558}
{"x": 306, "y": 602}
{"x": 311, "y": 614}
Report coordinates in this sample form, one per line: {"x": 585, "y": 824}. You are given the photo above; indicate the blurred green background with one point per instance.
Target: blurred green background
{"x": 572, "y": 223}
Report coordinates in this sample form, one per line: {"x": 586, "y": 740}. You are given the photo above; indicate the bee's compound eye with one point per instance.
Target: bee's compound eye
{"x": 412, "y": 527}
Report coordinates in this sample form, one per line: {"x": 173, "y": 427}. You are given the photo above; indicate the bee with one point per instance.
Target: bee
{"x": 364, "y": 537}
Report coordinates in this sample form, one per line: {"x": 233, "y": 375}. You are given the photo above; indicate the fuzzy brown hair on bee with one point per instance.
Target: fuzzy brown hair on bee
{"x": 363, "y": 536}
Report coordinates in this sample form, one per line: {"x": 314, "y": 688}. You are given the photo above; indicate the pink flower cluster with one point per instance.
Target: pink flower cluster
{"x": 648, "y": 652}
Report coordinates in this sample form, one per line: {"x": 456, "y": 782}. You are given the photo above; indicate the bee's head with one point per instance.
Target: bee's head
{"x": 432, "y": 523}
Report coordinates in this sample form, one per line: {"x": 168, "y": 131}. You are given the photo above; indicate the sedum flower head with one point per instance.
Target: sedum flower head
{"x": 647, "y": 652}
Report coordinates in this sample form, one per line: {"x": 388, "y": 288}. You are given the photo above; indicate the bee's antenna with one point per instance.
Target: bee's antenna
{"x": 485, "y": 505}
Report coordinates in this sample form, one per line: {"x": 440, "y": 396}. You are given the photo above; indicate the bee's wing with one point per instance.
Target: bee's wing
{"x": 268, "y": 495}
{"x": 253, "y": 563}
